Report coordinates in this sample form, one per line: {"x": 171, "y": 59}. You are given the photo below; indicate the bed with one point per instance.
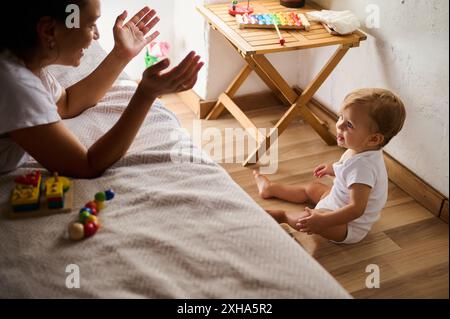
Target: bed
{"x": 179, "y": 226}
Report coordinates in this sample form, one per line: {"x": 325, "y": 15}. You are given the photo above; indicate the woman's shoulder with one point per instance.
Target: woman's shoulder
{"x": 24, "y": 101}
{"x": 17, "y": 81}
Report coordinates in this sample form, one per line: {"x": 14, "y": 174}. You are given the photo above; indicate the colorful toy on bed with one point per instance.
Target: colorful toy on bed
{"x": 27, "y": 200}
{"x": 284, "y": 20}
{"x": 27, "y": 192}
{"x": 55, "y": 188}
{"x": 88, "y": 222}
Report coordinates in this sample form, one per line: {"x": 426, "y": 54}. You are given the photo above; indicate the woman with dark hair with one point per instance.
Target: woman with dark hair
{"x": 32, "y": 102}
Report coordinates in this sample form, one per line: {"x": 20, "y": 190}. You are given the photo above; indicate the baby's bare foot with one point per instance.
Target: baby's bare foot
{"x": 263, "y": 184}
{"x": 278, "y": 215}
{"x": 290, "y": 218}
{"x": 293, "y": 218}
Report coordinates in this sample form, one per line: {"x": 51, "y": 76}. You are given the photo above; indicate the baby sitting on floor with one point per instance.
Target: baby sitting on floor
{"x": 345, "y": 212}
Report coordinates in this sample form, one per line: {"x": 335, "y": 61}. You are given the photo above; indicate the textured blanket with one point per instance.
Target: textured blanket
{"x": 179, "y": 226}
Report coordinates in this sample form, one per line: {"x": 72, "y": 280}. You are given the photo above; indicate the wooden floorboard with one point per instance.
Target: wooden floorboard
{"x": 408, "y": 244}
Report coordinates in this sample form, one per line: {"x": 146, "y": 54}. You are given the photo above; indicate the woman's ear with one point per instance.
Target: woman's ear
{"x": 46, "y": 28}
{"x": 376, "y": 139}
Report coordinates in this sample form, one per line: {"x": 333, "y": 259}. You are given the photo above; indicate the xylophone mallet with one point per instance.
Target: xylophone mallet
{"x": 282, "y": 40}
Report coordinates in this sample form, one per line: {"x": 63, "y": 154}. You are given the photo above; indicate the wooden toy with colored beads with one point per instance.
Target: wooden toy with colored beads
{"x": 33, "y": 196}
{"x": 284, "y": 20}
{"x": 55, "y": 188}
{"x": 88, "y": 222}
{"x": 26, "y": 194}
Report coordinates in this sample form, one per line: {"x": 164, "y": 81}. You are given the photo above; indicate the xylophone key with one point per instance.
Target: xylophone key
{"x": 296, "y": 19}
{"x": 304, "y": 21}
{"x": 286, "y": 20}
{"x": 245, "y": 18}
{"x": 260, "y": 19}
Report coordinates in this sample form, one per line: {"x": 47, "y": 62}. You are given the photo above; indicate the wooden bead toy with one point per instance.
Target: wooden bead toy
{"x": 76, "y": 231}
{"x": 96, "y": 224}
{"x": 89, "y": 223}
{"x": 109, "y": 194}
{"x": 91, "y": 219}
{"x": 92, "y": 205}
{"x": 100, "y": 205}
{"x": 94, "y": 211}
{"x": 100, "y": 197}
{"x": 84, "y": 213}
{"x": 90, "y": 229}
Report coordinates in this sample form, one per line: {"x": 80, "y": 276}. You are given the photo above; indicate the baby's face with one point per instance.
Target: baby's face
{"x": 356, "y": 130}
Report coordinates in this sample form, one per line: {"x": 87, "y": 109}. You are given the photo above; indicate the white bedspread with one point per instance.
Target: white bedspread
{"x": 174, "y": 230}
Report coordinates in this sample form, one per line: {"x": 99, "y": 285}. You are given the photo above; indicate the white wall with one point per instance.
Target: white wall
{"x": 409, "y": 55}
{"x": 112, "y": 8}
{"x": 191, "y": 33}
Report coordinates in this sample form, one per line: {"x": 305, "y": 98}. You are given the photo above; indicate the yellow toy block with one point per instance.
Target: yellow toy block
{"x": 54, "y": 190}
{"x": 25, "y": 195}
{"x": 65, "y": 182}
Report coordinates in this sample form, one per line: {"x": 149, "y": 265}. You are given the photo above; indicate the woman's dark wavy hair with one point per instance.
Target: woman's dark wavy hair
{"x": 19, "y": 34}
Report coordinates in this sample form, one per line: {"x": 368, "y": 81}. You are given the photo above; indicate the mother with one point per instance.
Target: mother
{"x": 32, "y": 102}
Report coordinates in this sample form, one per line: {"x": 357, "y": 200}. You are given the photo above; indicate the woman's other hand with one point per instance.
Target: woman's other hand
{"x": 130, "y": 38}
{"x": 181, "y": 78}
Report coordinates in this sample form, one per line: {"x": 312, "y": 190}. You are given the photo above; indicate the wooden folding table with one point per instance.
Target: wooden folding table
{"x": 253, "y": 44}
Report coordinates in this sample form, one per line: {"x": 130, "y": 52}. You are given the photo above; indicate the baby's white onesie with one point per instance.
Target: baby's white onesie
{"x": 366, "y": 168}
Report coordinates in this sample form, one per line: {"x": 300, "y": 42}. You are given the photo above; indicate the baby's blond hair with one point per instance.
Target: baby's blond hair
{"x": 384, "y": 108}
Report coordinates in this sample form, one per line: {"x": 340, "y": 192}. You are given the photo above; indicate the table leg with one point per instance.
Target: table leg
{"x": 240, "y": 116}
{"x": 300, "y": 107}
{"x": 273, "y": 79}
{"x": 230, "y": 92}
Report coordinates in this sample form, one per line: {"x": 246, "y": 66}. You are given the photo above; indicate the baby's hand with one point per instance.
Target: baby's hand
{"x": 322, "y": 170}
{"x": 311, "y": 224}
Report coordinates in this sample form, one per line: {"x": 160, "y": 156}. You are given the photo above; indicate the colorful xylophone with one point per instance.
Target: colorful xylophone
{"x": 284, "y": 20}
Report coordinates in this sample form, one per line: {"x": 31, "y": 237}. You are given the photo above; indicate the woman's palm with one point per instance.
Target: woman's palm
{"x": 130, "y": 37}
{"x": 130, "y": 40}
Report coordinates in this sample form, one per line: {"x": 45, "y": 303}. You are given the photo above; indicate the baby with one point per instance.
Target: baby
{"x": 345, "y": 212}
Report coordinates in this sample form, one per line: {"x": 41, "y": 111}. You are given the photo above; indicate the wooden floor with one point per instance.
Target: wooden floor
{"x": 409, "y": 244}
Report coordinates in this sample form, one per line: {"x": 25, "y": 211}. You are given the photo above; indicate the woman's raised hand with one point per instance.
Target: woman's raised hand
{"x": 130, "y": 38}
{"x": 181, "y": 78}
